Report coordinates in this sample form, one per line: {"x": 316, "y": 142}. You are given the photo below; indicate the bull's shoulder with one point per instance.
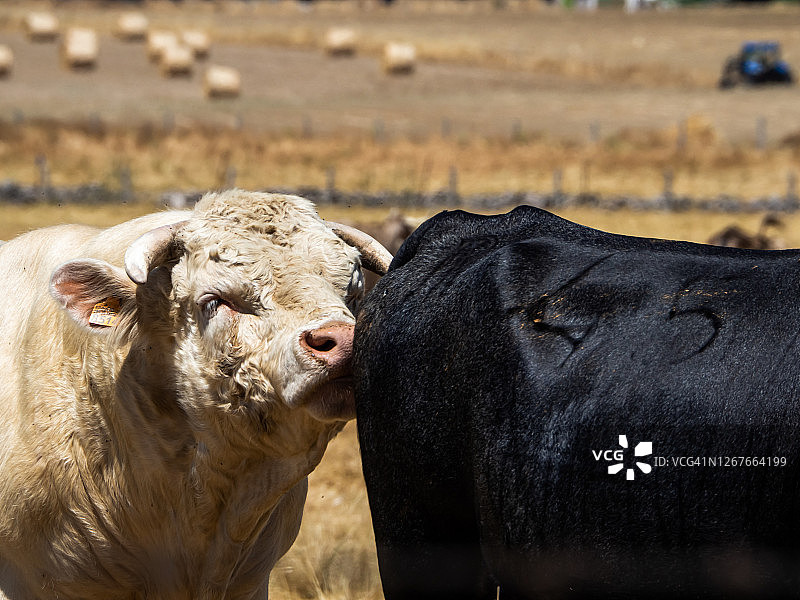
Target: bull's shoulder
{"x": 26, "y": 263}
{"x": 39, "y": 244}
{"x": 34, "y": 328}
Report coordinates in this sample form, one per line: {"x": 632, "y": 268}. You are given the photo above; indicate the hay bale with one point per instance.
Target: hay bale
{"x": 222, "y": 82}
{"x": 41, "y": 26}
{"x": 177, "y": 61}
{"x": 132, "y": 27}
{"x": 340, "y": 41}
{"x": 399, "y": 59}
{"x": 80, "y": 48}
{"x": 6, "y": 61}
{"x": 198, "y": 41}
{"x": 157, "y": 41}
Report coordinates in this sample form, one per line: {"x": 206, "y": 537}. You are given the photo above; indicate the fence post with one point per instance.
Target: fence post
{"x": 558, "y": 175}
{"x": 452, "y": 188}
{"x": 44, "y": 176}
{"x": 125, "y": 183}
{"x": 791, "y": 187}
{"x": 669, "y": 178}
{"x": 584, "y": 191}
{"x": 330, "y": 185}
{"x": 230, "y": 177}
{"x": 95, "y": 125}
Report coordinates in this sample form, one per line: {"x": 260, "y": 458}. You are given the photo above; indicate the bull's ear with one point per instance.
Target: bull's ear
{"x": 94, "y": 293}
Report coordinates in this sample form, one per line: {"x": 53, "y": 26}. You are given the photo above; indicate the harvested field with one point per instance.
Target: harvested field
{"x": 699, "y": 163}
{"x": 509, "y": 98}
{"x": 553, "y": 71}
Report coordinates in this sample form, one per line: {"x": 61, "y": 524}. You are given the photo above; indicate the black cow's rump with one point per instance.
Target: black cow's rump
{"x": 501, "y": 355}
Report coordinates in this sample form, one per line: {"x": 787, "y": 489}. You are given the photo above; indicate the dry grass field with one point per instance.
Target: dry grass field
{"x": 507, "y": 97}
{"x": 200, "y": 157}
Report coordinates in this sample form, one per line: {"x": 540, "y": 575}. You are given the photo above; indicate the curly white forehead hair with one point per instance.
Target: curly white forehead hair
{"x": 276, "y": 242}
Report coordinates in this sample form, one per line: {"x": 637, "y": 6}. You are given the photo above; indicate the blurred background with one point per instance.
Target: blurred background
{"x": 657, "y": 118}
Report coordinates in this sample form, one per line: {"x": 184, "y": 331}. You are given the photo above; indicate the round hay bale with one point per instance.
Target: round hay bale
{"x": 198, "y": 41}
{"x": 41, "y": 26}
{"x": 132, "y": 27}
{"x": 158, "y": 40}
{"x": 399, "y": 59}
{"x": 80, "y": 48}
{"x": 222, "y": 82}
{"x": 340, "y": 41}
{"x": 6, "y": 61}
{"x": 177, "y": 61}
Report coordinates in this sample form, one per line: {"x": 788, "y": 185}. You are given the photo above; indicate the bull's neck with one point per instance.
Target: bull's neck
{"x": 269, "y": 455}
{"x": 206, "y": 482}
{"x": 233, "y": 465}
{"x": 136, "y": 388}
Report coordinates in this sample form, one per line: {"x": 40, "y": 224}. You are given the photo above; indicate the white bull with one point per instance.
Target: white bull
{"x": 157, "y": 427}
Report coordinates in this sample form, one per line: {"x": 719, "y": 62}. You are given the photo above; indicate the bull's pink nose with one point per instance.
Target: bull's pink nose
{"x": 332, "y": 344}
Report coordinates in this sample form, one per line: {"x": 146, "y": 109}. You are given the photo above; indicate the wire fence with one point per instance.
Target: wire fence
{"x": 94, "y": 194}
{"x": 120, "y": 186}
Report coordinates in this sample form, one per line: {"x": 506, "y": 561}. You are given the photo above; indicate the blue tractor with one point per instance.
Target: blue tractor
{"x": 756, "y": 63}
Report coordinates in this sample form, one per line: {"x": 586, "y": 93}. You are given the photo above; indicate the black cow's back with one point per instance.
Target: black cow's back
{"x": 501, "y": 353}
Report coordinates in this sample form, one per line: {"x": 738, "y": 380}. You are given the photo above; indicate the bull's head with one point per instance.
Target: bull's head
{"x": 252, "y": 298}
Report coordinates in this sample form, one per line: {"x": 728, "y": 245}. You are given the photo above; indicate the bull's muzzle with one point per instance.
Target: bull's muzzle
{"x": 331, "y": 345}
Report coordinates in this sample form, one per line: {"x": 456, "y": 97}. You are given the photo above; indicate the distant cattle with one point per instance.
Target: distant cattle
{"x": 567, "y": 413}
{"x": 765, "y": 238}
{"x": 391, "y": 232}
{"x": 168, "y": 384}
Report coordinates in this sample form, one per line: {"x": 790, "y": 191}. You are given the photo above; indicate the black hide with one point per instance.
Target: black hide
{"x": 501, "y": 353}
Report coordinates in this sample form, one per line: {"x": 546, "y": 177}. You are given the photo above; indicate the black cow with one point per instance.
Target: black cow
{"x": 499, "y": 364}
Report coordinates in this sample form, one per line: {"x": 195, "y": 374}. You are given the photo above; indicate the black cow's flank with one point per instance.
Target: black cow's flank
{"x": 502, "y": 353}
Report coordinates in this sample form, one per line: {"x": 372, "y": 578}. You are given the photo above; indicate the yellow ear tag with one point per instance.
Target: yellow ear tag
{"x": 105, "y": 313}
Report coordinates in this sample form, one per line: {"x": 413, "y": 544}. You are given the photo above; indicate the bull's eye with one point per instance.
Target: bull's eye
{"x": 355, "y": 289}
{"x": 208, "y": 304}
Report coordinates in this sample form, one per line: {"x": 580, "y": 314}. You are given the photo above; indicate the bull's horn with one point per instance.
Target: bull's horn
{"x": 150, "y": 250}
{"x": 374, "y": 257}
